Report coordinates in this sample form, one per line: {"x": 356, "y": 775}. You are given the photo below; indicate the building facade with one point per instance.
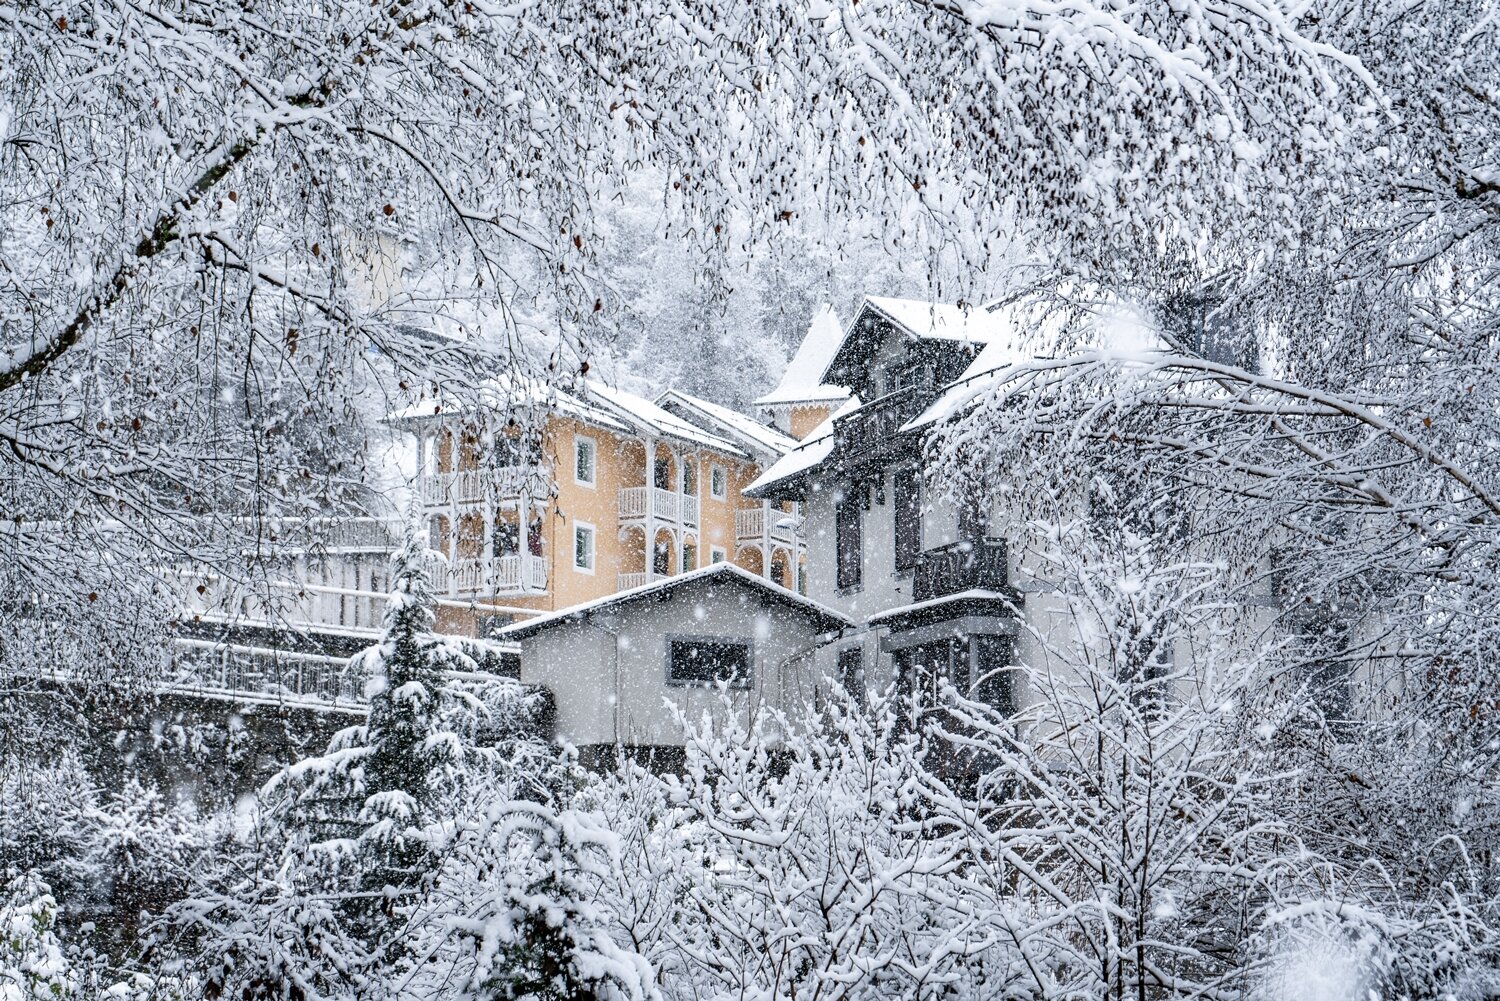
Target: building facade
{"x": 926, "y": 578}
{"x": 538, "y": 504}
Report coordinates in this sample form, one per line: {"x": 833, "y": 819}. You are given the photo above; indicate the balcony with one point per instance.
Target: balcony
{"x": 492, "y": 575}
{"x": 871, "y": 430}
{"x": 961, "y": 566}
{"x": 751, "y": 524}
{"x": 665, "y": 505}
{"x": 333, "y": 534}
{"x": 207, "y": 667}
{"x": 627, "y": 581}
{"x": 475, "y": 486}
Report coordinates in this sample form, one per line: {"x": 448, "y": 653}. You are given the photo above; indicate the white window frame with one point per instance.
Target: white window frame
{"x": 682, "y": 566}
{"x": 593, "y": 446}
{"x": 718, "y": 471}
{"x": 593, "y": 547}
{"x": 717, "y": 554}
{"x": 682, "y": 477}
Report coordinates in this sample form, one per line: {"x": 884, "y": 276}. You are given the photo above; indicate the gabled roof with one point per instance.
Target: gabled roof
{"x": 506, "y": 393}
{"x": 1029, "y": 327}
{"x": 802, "y": 380}
{"x": 647, "y": 417}
{"x": 593, "y": 403}
{"x": 826, "y": 619}
{"x": 810, "y": 452}
{"x": 919, "y": 320}
{"x": 749, "y": 432}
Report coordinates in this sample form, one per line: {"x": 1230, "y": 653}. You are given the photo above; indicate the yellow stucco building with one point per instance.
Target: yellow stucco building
{"x": 540, "y": 503}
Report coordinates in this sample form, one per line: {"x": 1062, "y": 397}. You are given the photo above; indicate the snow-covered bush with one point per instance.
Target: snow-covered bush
{"x": 797, "y": 857}
{"x": 33, "y": 966}
{"x": 1126, "y": 804}
{"x": 47, "y": 817}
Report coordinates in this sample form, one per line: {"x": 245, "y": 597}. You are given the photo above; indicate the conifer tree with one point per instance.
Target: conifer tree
{"x": 371, "y": 802}
{"x": 409, "y": 761}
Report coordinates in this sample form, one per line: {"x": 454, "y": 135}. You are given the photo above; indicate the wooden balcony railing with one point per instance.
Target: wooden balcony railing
{"x": 961, "y": 566}
{"x": 493, "y": 575}
{"x": 873, "y": 427}
{"x": 664, "y": 504}
{"x": 754, "y": 523}
{"x": 475, "y": 486}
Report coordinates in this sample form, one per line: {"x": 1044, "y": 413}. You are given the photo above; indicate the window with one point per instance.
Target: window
{"x": 437, "y": 534}
{"x": 506, "y": 537}
{"x": 661, "y": 559}
{"x": 847, "y": 538}
{"x": 907, "y": 485}
{"x": 689, "y": 556}
{"x": 993, "y": 684}
{"x": 690, "y": 478}
{"x": 972, "y": 525}
{"x": 583, "y": 547}
{"x": 585, "y": 456}
{"x": 852, "y": 674}
{"x": 716, "y": 554}
{"x": 661, "y": 474}
{"x": 906, "y": 376}
{"x": 718, "y": 482}
{"x": 703, "y": 660}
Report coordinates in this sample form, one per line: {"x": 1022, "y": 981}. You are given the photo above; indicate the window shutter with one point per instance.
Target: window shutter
{"x": 908, "y": 518}
{"x": 847, "y": 530}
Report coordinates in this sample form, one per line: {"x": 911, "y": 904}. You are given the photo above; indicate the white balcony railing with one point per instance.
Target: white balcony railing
{"x": 630, "y": 580}
{"x": 666, "y": 505}
{"x": 496, "y": 575}
{"x": 751, "y": 523}
{"x": 474, "y": 486}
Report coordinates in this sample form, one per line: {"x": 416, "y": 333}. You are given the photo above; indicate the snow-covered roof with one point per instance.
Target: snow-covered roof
{"x": 973, "y": 594}
{"x": 944, "y": 321}
{"x": 809, "y": 452}
{"x": 983, "y": 373}
{"x": 647, "y": 416}
{"x": 506, "y": 393}
{"x": 826, "y": 618}
{"x": 751, "y": 432}
{"x": 801, "y": 382}
{"x": 593, "y": 403}
{"x": 1029, "y": 328}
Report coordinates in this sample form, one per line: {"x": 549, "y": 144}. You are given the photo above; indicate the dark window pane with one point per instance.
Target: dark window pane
{"x": 908, "y": 518}
{"x": 507, "y": 538}
{"x": 847, "y": 529}
{"x": 971, "y": 519}
{"x": 993, "y": 684}
{"x": 705, "y": 661}
{"x": 852, "y": 673}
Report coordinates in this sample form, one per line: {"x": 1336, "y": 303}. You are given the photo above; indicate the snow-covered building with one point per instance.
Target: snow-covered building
{"x": 614, "y": 664}
{"x": 927, "y": 579}
{"x": 801, "y": 401}
{"x": 543, "y": 499}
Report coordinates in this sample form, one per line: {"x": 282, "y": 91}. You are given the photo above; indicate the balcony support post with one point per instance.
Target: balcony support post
{"x": 523, "y": 533}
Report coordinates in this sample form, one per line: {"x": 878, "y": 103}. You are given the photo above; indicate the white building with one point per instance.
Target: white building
{"x": 614, "y": 665}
